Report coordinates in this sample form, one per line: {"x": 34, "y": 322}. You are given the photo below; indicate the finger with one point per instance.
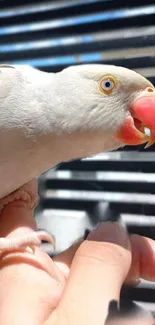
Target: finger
{"x": 17, "y": 219}
{"x": 143, "y": 258}
{"x": 64, "y": 259}
{"x": 98, "y": 271}
{"x": 31, "y": 285}
{"x": 28, "y": 289}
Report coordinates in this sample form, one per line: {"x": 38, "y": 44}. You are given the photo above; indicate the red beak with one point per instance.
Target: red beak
{"x": 142, "y": 116}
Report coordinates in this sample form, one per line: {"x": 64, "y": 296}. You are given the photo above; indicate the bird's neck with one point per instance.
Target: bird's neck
{"x": 29, "y": 157}
{"x": 55, "y": 149}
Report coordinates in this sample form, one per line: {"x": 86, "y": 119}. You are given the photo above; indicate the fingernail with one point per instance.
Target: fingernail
{"x": 112, "y": 232}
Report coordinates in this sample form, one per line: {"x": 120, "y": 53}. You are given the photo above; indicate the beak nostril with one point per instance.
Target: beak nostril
{"x": 150, "y": 90}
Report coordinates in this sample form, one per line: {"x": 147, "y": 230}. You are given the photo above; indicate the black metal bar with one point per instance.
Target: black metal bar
{"x": 109, "y": 24}
{"x": 110, "y": 165}
{"x": 18, "y": 53}
{"x": 108, "y": 185}
{"x": 87, "y": 204}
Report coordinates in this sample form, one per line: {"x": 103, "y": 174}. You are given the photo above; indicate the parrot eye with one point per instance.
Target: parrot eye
{"x": 107, "y": 85}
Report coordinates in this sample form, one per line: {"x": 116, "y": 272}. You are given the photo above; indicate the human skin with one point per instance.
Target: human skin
{"x": 75, "y": 287}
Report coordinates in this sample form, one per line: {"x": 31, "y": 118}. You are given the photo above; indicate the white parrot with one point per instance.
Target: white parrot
{"x": 47, "y": 118}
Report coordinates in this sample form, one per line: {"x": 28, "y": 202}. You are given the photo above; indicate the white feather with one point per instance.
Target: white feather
{"x": 47, "y": 118}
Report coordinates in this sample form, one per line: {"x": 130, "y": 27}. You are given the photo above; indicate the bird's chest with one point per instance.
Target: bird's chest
{"x": 17, "y": 162}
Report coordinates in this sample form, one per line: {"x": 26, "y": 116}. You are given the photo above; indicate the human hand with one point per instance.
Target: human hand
{"x": 76, "y": 287}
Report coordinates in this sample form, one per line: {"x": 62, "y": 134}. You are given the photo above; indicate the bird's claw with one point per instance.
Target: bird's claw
{"x": 28, "y": 242}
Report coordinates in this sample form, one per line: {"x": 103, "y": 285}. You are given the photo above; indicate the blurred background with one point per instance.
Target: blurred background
{"x": 75, "y": 196}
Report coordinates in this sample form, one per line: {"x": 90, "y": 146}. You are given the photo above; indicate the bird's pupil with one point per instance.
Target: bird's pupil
{"x": 107, "y": 84}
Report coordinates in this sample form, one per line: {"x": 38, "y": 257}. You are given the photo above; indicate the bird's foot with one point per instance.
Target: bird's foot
{"x": 16, "y": 216}
{"x": 28, "y": 241}
{"x": 27, "y": 194}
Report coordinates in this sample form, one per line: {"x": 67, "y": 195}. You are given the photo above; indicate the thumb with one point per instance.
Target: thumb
{"x": 98, "y": 270}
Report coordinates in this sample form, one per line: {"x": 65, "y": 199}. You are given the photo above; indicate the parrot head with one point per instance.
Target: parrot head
{"x": 110, "y": 99}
